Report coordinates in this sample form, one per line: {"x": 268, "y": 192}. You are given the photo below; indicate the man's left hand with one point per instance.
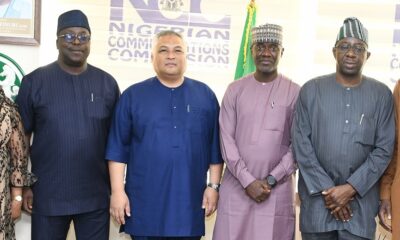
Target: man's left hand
{"x": 337, "y": 197}
{"x": 385, "y": 214}
{"x": 210, "y": 200}
{"x": 344, "y": 214}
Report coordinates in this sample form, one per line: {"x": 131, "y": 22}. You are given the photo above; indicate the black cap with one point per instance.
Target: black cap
{"x": 73, "y": 18}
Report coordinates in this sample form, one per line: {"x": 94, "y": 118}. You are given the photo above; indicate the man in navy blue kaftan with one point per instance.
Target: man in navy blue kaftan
{"x": 67, "y": 107}
{"x": 165, "y": 132}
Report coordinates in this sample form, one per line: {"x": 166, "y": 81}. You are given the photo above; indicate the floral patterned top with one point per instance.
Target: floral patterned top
{"x": 13, "y": 162}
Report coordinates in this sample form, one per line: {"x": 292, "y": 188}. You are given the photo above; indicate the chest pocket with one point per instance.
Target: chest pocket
{"x": 97, "y": 108}
{"x": 196, "y": 119}
{"x": 366, "y": 131}
{"x": 275, "y": 118}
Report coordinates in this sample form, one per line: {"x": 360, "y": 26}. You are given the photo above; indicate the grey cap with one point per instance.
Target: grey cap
{"x": 352, "y": 27}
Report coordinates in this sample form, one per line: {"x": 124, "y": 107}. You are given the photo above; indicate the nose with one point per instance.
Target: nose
{"x": 171, "y": 54}
{"x": 351, "y": 52}
{"x": 265, "y": 52}
{"x": 76, "y": 41}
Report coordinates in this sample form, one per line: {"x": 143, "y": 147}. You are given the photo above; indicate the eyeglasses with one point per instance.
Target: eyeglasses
{"x": 357, "y": 49}
{"x": 70, "y": 37}
{"x": 260, "y": 48}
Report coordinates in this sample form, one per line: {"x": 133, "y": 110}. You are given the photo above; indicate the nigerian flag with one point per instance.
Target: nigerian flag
{"x": 245, "y": 64}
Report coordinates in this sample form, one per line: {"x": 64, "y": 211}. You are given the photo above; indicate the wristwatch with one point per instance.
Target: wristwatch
{"x": 214, "y": 186}
{"x": 18, "y": 198}
{"x": 271, "y": 181}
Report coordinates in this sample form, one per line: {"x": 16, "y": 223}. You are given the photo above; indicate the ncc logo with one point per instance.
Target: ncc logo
{"x": 10, "y": 76}
{"x": 187, "y": 13}
{"x": 171, "y": 5}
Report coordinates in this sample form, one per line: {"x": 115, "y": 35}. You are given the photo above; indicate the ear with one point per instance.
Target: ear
{"x": 152, "y": 57}
{"x": 334, "y": 52}
{"x": 283, "y": 49}
{"x": 368, "y": 54}
{"x": 57, "y": 43}
{"x": 252, "y": 52}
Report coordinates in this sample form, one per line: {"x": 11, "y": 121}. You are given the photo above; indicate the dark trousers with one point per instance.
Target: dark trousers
{"x": 92, "y": 225}
{"x": 164, "y": 238}
{"x": 333, "y": 235}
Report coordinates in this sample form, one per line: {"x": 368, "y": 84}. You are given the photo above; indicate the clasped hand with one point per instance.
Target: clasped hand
{"x": 258, "y": 190}
{"x": 337, "y": 200}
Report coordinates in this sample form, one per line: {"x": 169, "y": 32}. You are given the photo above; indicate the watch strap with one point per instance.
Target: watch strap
{"x": 214, "y": 186}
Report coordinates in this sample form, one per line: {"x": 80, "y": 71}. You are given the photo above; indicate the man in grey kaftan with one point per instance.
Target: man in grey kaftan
{"x": 343, "y": 137}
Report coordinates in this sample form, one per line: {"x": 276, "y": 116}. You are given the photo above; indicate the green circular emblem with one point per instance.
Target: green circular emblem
{"x": 10, "y": 76}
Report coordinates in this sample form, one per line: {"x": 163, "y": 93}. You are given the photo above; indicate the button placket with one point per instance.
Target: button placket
{"x": 347, "y": 109}
{"x": 174, "y": 117}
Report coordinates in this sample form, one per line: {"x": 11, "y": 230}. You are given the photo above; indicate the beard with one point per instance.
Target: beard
{"x": 350, "y": 72}
{"x": 74, "y": 63}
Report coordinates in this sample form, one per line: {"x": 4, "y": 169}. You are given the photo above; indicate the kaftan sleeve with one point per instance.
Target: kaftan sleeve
{"x": 26, "y": 104}
{"x": 365, "y": 177}
{"x": 388, "y": 176}
{"x": 287, "y": 165}
{"x": 285, "y": 168}
{"x": 229, "y": 149}
{"x": 19, "y": 147}
{"x": 119, "y": 137}
{"x": 215, "y": 153}
{"x": 314, "y": 175}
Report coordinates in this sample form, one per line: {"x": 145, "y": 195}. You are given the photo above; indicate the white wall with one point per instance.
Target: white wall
{"x": 310, "y": 28}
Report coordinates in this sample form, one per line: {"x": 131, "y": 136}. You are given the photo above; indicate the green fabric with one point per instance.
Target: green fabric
{"x": 245, "y": 63}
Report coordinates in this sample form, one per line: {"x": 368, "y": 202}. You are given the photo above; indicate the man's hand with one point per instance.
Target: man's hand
{"x": 258, "y": 190}
{"x": 344, "y": 214}
{"x": 385, "y": 214}
{"x": 27, "y": 199}
{"x": 337, "y": 197}
{"x": 210, "y": 200}
{"x": 119, "y": 206}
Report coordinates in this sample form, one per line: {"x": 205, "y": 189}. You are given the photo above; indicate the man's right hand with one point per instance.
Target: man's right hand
{"x": 258, "y": 191}
{"x": 27, "y": 198}
{"x": 385, "y": 214}
{"x": 119, "y": 206}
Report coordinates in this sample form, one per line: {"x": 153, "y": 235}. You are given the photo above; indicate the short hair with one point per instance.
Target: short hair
{"x": 166, "y": 33}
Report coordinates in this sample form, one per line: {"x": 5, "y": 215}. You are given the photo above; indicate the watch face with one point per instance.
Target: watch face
{"x": 271, "y": 181}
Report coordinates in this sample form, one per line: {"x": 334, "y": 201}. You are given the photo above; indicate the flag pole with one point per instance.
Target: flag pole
{"x": 245, "y": 64}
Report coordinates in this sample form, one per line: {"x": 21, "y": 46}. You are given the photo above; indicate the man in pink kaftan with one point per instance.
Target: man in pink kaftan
{"x": 257, "y": 190}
